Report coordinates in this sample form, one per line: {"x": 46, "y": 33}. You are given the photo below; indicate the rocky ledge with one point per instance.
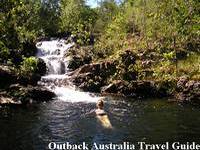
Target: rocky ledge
{"x": 95, "y": 78}
{"x": 18, "y": 94}
{"x": 91, "y": 77}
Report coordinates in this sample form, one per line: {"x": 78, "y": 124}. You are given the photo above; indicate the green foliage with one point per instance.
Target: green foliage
{"x": 165, "y": 70}
{"x": 106, "y": 11}
{"x": 190, "y": 67}
{"x": 4, "y": 53}
{"x": 19, "y": 23}
{"x": 169, "y": 56}
{"x": 112, "y": 39}
{"x": 142, "y": 25}
{"x": 49, "y": 11}
{"x": 28, "y": 67}
{"x": 77, "y": 19}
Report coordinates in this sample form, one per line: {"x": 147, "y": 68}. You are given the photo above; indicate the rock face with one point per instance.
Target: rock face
{"x": 79, "y": 56}
{"x": 18, "y": 94}
{"x": 98, "y": 77}
{"x": 41, "y": 67}
{"x": 77, "y": 61}
{"x": 91, "y": 77}
{"x": 188, "y": 90}
{"x": 139, "y": 89}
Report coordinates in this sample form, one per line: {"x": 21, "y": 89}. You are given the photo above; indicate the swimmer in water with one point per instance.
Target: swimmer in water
{"x": 101, "y": 115}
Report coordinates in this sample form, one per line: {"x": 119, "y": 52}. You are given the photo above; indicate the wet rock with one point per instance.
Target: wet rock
{"x": 113, "y": 87}
{"x": 140, "y": 89}
{"x": 29, "y": 80}
{"x": 92, "y": 86}
{"x": 188, "y": 90}
{"x": 165, "y": 88}
{"x": 75, "y": 62}
{"x": 92, "y": 77}
{"x": 41, "y": 67}
{"x": 101, "y": 69}
{"x": 29, "y": 94}
{"x": 145, "y": 89}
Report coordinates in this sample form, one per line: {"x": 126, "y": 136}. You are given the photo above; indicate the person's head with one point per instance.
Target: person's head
{"x": 100, "y": 104}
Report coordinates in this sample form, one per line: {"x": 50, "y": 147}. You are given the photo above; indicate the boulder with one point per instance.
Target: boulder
{"x": 75, "y": 62}
{"x": 79, "y": 56}
{"x": 140, "y": 89}
{"x": 7, "y": 76}
{"x": 91, "y": 77}
{"x": 188, "y": 90}
{"x": 29, "y": 94}
{"x": 113, "y": 87}
{"x": 102, "y": 69}
{"x": 41, "y": 67}
{"x": 128, "y": 58}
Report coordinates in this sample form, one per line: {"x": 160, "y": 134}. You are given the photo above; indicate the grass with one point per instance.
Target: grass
{"x": 190, "y": 67}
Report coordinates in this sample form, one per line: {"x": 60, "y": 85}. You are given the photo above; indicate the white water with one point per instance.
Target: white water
{"x": 53, "y": 53}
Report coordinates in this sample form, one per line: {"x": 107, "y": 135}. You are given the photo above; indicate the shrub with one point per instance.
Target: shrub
{"x": 28, "y": 67}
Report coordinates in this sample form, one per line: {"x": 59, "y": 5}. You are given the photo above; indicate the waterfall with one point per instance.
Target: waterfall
{"x": 53, "y": 53}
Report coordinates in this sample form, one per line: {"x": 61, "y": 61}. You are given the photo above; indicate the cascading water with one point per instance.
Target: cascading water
{"x": 53, "y": 53}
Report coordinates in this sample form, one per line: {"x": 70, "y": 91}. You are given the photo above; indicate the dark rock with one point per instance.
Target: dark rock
{"x": 181, "y": 83}
{"x": 75, "y": 62}
{"x": 7, "y": 76}
{"x": 40, "y": 94}
{"x": 100, "y": 69}
{"x": 92, "y": 86}
{"x": 180, "y": 54}
{"x": 188, "y": 90}
{"x": 29, "y": 94}
{"x": 128, "y": 58}
{"x": 130, "y": 75}
{"x": 29, "y": 80}
{"x": 41, "y": 67}
{"x": 78, "y": 61}
{"x": 91, "y": 77}
{"x": 79, "y": 56}
{"x": 145, "y": 89}
{"x": 112, "y": 88}
{"x": 142, "y": 89}
{"x": 165, "y": 87}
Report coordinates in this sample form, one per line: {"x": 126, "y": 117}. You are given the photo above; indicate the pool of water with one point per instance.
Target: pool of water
{"x": 155, "y": 121}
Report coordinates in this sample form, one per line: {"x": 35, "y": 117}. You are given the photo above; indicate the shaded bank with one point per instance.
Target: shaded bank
{"x": 16, "y": 89}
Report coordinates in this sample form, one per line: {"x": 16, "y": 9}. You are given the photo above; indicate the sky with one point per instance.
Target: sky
{"x": 92, "y": 3}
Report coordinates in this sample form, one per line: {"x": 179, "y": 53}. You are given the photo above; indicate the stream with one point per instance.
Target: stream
{"x": 64, "y": 119}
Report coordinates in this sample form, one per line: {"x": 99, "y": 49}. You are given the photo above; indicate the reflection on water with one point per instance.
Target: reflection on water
{"x": 152, "y": 121}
